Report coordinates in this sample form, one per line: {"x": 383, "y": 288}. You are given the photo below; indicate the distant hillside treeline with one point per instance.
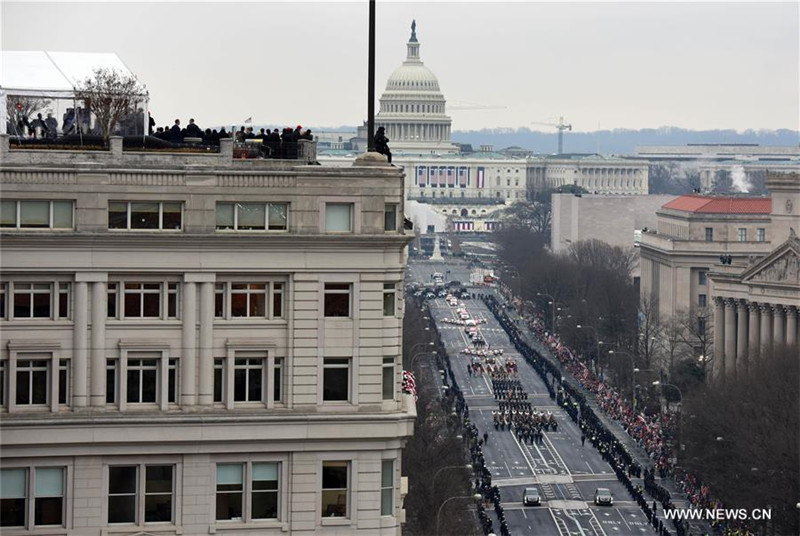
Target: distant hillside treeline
{"x": 618, "y": 141}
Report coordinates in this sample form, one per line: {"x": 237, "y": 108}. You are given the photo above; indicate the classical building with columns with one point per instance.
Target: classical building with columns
{"x": 412, "y": 108}
{"x": 197, "y": 344}
{"x": 755, "y": 309}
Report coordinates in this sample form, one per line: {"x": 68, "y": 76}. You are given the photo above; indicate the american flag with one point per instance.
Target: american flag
{"x": 451, "y": 176}
{"x": 462, "y": 176}
{"x": 442, "y": 176}
{"x": 434, "y": 177}
{"x": 480, "y": 178}
{"x": 409, "y": 383}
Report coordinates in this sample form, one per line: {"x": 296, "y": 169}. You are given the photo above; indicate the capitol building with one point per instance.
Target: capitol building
{"x": 468, "y": 188}
{"x": 412, "y": 109}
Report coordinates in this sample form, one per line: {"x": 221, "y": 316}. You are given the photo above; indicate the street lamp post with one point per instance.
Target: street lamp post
{"x": 596, "y": 335}
{"x": 633, "y": 373}
{"x": 476, "y": 497}
{"x": 552, "y": 304}
{"x": 433, "y": 480}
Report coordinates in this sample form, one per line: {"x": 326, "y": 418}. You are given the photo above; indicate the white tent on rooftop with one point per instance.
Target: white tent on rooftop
{"x": 50, "y": 75}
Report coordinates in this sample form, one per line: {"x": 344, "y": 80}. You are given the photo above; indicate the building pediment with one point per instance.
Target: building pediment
{"x": 780, "y": 266}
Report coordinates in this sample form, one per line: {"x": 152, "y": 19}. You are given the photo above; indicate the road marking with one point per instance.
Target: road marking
{"x": 578, "y": 523}
{"x": 524, "y": 454}
{"x": 623, "y": 519}
{"x": 555, "y": 453}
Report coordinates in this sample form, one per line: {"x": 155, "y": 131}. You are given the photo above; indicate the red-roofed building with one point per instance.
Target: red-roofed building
{"x": 694, "y": 233}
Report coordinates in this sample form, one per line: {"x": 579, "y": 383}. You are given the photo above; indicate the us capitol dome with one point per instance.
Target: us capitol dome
{"x": 412, "y": 108}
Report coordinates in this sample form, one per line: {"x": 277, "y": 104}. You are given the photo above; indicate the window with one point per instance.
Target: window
{"x": 48, "y": 496}
{"x": 32, "y": 300}
{"x": 709, "y": 234}
{"x": 142, "y": 378}
{"x": 277, "y": 380}
{"x": 2, "y": 383}
{"x": 339, "y": 217}
{"x": 702, "y": 278}
{"x": 264, "y": 503}
{"x": 248, "y": 377}
{"x": 387, "y": 380}
{"x": 389, "y": 292}
{"x": 390, "y": 217}
{"x": 13, "y": 497}
{"x": 36, "y": 214}
{"x": 63, "y": 300}
{"x": 2, "y": 301}
{"x": 143, "y": 300}
{"x": 742, "y": 234}
{"x": 47, "y": 484}
{"x": 247, "y": 491}
{"x": 277, "y": 300}
{"x": 63, "y": 381}
{"x": 337, "y": 299}
{"x": 252, "y": 216}
{"x": 249, "y": 300}
{"x": 111, "y": 381}
{"x": 334, "y": 488}
{"x": 702, "y": 300}
{"x": 33, "y": 381}
{"x": 701, "y": 326}
{"x": 336, "y": 379}
{"x": 219, "y": 375}
{"x": 761, "y": 234}
{"x": 230, "y": 491}
{"x": 145, "y": 215}
{"x": 387, "y": 487}
{"x": 158, "y": 493}
{"x": 127, "y": 504}
{"x": 122, "y": 494}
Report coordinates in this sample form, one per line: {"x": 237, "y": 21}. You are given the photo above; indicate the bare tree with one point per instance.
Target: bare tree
{"x": 17, "y": 106}
{"x": 651, "y": 330}
{"x": 110, "y": 95}
{"x": 697, "y": 332}
{"x": 672, "y": 343}
{"x": 741, "y": 437}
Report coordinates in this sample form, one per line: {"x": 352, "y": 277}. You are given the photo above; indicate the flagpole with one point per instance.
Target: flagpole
{"x": 371, "y": 80}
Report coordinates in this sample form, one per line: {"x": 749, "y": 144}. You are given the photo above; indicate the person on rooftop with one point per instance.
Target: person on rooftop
{"x": 193, "y": 131}
{"x": 175, "y": 132}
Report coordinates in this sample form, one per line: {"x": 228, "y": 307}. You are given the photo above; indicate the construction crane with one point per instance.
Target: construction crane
{"x": 561, "y": 126}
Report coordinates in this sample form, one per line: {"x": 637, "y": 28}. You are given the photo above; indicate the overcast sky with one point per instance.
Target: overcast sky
{"x": 616, "y": 65}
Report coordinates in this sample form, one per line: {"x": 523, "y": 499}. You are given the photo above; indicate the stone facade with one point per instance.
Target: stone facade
{"x": 755, "y": 310}
{"x": 610, "y": 218}
{"x": 682, "y": 270}
{"x": 594, "y": 173}
{"x": 201, "y": 317}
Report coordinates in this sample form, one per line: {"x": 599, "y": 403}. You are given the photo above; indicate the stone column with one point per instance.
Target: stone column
{"x": 741, "y": 338}
{"x": 778, "y": 339}
{"x": 730, "y": 337}
{"x": 188, "y": 341}
{"x": 98, "y": 367}
{"x": 753, "y": 334}
{"x": 206, "y": 365}
{"x": 719, "y": 337}
{"x": 791, "y": 326}
{"x": 80, "y": 345}
{"x": 766, "y": 335}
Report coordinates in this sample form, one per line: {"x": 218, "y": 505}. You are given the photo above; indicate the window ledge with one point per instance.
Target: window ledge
{"x": 336, "y": 521}
{"x": 222, "y": 526}
{"x": 165, "y": 529}
{"x": 43, "y": 531}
